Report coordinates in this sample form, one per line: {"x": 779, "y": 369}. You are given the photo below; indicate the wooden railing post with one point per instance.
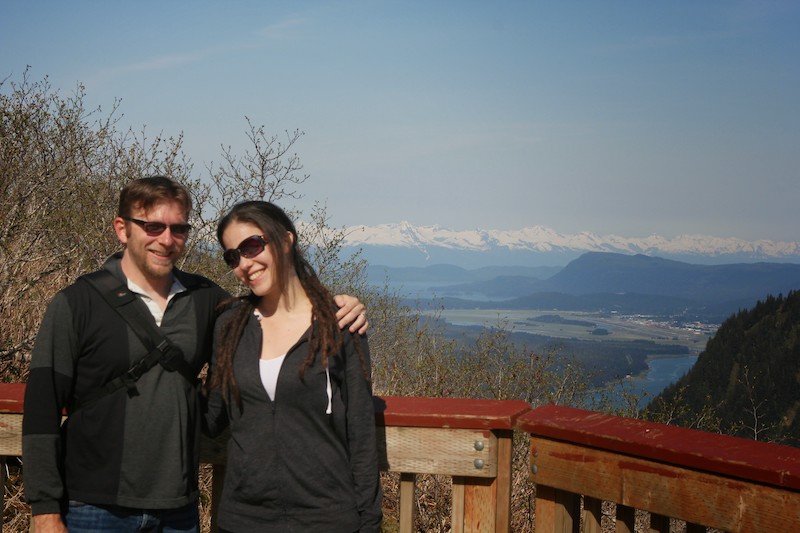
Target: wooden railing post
{"x": 592, "y": 514}
{"x": 504, "y": 479}
{"x": 470, "y": 440}
{"x": 481, "y": 504}
{"x": 557, "y": 511}
{"x": 626, "y": 519}
{"x": 659, "y": 524}
{"x": 408, "y": 501}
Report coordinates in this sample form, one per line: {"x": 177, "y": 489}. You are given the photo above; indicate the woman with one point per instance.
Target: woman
{"x": 294, "y": 389}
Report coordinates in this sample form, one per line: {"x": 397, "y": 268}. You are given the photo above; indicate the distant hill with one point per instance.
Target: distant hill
{"x": 617, "y": 273}
{"x": 748, "y": 377}
{"x": 622, "y": 283}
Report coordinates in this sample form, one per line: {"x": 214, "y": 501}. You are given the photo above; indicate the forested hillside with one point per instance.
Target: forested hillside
{"x": 747, "y": 381}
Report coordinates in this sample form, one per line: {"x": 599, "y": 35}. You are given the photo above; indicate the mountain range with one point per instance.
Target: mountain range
{"x": 403, "y": 244}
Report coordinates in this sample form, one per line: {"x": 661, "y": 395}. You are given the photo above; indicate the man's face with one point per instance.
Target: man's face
{"x": 153, "y": 256}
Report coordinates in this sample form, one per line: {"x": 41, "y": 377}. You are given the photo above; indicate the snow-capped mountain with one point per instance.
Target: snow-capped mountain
{"x": 404, "y": 244}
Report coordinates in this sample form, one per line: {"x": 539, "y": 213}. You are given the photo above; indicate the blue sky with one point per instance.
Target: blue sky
{"x": 623, "y": 117}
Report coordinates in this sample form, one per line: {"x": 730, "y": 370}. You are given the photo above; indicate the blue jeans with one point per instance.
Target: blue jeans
{"x": 87, "y": 518}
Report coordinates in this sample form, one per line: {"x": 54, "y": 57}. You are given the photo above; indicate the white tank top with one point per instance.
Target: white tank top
{"x": 269, "y": 370}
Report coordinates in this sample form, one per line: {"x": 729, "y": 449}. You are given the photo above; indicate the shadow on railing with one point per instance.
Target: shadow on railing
{"x": 579, "y": 459}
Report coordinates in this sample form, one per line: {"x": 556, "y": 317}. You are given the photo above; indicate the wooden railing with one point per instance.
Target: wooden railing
{"x": 704, "y": 479}
{"x": 579, "y": 459}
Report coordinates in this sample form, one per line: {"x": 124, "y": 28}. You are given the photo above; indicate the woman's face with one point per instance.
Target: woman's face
{"x": 259, "y": 272}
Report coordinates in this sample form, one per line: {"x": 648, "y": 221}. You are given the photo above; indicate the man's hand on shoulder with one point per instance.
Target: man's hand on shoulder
{"x": 351, "y": 312}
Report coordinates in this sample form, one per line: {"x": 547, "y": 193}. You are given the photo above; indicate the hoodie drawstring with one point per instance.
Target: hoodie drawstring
{"x": 329, "y": 390}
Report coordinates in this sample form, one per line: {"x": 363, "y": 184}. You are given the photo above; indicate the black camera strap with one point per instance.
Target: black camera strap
{"x": 161, "y": 350}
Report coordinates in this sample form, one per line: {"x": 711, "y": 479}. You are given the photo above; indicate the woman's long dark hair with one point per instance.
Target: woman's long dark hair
{"x": 325, "y": 338}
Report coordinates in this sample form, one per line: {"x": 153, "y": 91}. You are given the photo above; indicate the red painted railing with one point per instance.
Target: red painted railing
{"x": 704, "y": 479}
{"x": 578, "y": 460}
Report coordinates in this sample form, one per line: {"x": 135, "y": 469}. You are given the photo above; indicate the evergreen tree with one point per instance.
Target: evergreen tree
{"x": 748, "y": 378}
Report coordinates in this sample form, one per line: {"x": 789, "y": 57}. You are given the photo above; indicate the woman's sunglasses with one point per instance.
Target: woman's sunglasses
{"x": 248, "y": 248}
{"x": 154, "y": 229}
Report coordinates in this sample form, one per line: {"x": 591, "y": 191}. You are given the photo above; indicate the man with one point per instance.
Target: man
{"x": 127, "y": 457}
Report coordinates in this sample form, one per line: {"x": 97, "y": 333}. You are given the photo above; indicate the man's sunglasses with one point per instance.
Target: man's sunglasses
{"x": 248, "y": 248}
{"x": 154, "y": 229}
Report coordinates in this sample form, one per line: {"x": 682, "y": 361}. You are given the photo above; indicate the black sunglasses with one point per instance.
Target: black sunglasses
{"x": 248, "y": 248}
{"x": 154, "y": 229}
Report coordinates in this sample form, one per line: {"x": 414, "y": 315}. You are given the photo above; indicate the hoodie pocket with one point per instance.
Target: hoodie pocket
{"x": 252, "y": 474}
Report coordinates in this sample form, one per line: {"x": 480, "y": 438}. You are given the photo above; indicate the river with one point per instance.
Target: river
{"x": 660, "y": 373}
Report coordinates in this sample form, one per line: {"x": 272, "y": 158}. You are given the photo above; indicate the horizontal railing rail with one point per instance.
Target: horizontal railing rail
{"x": 578, "y": 460}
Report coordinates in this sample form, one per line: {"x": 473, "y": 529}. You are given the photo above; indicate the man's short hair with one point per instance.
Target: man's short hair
{"x": 145, "y": 193}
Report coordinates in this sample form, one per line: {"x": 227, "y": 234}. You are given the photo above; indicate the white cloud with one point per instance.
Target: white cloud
{"x": 285, "y": 29}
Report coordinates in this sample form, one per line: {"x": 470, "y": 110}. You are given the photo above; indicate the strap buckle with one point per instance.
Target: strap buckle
{"x": 171, "y": 356}
{"x": 136, "y": 371}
